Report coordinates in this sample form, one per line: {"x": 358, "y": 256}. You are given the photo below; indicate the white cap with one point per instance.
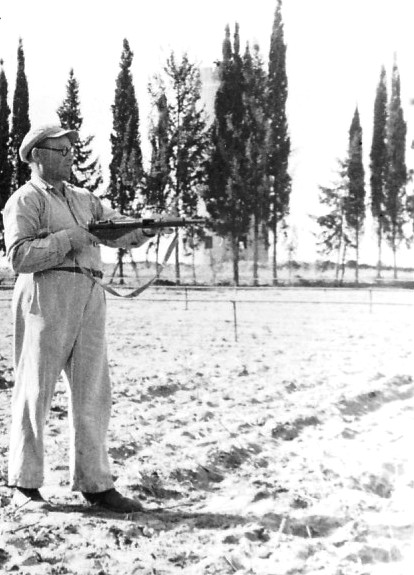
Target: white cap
{"x": 36, "y": 135}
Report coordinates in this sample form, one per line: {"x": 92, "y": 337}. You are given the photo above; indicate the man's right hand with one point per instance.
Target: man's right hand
{"x": 80, "y": 238}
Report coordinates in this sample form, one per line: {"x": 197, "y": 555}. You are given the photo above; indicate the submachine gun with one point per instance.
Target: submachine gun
{"x": 111, "y": 230}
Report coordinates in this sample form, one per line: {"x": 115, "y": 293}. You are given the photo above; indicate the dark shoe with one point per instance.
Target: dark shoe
{"x": 113, "y": 501}
{"x": 28, "y": 499}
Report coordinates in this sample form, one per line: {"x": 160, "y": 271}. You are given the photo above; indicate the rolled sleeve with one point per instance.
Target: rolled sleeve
{"x": 25, "y": 250}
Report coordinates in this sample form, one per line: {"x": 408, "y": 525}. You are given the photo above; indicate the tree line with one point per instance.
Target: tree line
{"x": 234, "y": 169}
{"x": 345, "y": 202}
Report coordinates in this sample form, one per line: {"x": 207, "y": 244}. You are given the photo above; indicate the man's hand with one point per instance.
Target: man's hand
{"x": 80, "y": 238}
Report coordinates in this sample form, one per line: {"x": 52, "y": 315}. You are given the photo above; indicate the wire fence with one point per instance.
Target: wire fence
{"x": 243, "y": 307}
{"x": 262, "y": 295}
{"x": 247, "y": 319}
{"x": 249, "y": 308}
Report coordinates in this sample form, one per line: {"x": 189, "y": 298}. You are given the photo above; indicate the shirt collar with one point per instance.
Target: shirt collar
{"x": 41, "y": 183}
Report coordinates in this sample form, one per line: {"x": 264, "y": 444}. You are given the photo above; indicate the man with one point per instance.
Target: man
{"x": 59, "y": 322}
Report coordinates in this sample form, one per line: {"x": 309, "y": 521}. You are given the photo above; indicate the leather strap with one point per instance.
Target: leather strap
{"x": 136, "y": 292}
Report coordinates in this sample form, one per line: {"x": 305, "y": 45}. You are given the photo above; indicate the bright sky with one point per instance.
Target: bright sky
{"x": 335, "y": 52}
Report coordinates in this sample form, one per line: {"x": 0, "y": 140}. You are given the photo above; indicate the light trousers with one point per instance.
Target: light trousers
{"x": 59, "y": 325}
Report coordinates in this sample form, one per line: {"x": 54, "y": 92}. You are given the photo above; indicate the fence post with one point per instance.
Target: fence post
{"x": 235, "y": 319}
{"x": 370, "y": 300}
{"x": 186, "y": 297}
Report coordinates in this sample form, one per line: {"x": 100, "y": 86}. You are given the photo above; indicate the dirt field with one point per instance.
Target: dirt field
{"x": 288, "y": 451}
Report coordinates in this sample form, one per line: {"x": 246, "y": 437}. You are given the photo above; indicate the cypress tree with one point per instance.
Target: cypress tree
{"x": 227, "y": 199}
{"x": 158, "y": 179}
{"x": 378, "y": 162}
{"x": 396, "y": 176}
{"x": 20, "y": 121}
{"x": 125, "y": 168}
{"x": 5, "y": 164}
{"x": 217, "y": 202}
{"x": 86, "y": 171}
{"x": 355, "y": 199}
{"x": 255, "y": 120}
{"x": 126, "y": 165}
{"x": 278, "y": 137}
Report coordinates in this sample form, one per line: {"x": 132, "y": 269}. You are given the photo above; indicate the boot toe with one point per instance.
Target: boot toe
{"x": 113, "y": 501}
{"x": 33, "y": 501}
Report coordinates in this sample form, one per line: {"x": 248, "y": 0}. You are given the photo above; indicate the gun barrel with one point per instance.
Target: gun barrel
{"x": 145, "y": 223}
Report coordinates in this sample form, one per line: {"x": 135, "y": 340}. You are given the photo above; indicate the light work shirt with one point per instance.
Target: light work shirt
{"x": 36, "y": 218}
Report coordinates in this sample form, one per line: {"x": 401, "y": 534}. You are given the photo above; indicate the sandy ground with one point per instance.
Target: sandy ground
{"x": 287, "y": 451}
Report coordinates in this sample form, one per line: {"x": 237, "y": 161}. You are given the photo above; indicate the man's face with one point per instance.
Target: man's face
{"x": 54, "y": 165}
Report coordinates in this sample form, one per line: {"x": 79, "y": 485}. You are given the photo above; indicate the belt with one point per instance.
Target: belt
{"x": 94, "y": 273}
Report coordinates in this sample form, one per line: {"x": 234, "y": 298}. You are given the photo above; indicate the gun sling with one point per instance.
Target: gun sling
{"x": 136, "y": 292}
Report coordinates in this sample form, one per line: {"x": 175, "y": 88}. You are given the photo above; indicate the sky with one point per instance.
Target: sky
{"x": 335, "y": 50}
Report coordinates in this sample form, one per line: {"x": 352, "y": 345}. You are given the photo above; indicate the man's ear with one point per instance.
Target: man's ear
{"x": 34, "y": 155}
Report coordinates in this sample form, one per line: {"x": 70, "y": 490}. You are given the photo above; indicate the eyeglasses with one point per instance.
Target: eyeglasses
{"x": 64, "y": 151}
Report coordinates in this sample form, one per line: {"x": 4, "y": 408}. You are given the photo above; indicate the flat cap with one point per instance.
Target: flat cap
{"x": 36, "y": 135}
